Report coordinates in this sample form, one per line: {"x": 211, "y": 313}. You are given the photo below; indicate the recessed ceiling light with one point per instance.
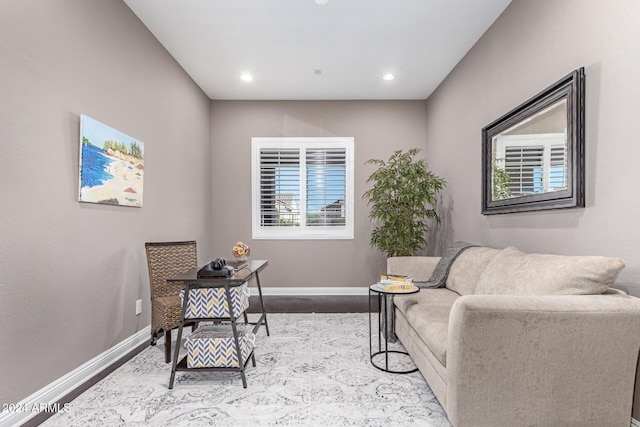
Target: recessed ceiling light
{"x": 388, "y": 77}
{"x": 246, "y": 77}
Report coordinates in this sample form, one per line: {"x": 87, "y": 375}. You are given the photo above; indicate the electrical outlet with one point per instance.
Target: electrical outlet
{"x": 138, "y": 307}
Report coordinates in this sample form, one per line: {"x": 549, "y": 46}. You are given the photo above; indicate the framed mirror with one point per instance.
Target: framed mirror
{"x": 533, "y": 156}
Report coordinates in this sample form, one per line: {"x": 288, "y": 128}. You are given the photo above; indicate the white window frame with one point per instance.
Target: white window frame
{"x": 302, "y": 231}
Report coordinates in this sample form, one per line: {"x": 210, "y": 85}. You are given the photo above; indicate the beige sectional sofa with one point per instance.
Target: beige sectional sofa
{"x": 517, "y": 339}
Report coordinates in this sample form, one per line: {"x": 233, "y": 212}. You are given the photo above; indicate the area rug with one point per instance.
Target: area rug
{"x": 314, "y": 370}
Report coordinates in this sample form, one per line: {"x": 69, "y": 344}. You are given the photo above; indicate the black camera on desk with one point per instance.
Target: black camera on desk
{"x": 216, "y": 268}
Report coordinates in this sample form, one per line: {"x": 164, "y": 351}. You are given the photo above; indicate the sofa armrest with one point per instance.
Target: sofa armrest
{"x": 420, "y": 267}
{"x": 542, "y": 360}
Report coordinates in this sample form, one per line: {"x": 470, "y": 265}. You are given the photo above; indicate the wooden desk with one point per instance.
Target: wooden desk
{"x": 190, "y": 280}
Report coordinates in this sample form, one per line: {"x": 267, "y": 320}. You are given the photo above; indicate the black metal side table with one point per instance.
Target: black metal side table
{"x": 383, "y": 327}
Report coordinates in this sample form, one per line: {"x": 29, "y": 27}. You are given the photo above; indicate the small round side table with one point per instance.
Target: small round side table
{"x": 383, "y": 328}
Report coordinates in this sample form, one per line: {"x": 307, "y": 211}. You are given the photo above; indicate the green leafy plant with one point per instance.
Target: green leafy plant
{"x": 402, "y": 202}
{"x": 501, "y": 181}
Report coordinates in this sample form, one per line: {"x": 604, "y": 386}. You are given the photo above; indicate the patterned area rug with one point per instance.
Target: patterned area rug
{"x": 314, "y": 370}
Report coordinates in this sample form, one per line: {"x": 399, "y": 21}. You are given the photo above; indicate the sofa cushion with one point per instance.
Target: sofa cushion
{"x": 466, "y": 270}
{"x": 513, "y": 272}
{"x": 428, "y": 313}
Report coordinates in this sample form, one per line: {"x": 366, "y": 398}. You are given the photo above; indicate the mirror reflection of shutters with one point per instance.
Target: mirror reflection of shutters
{"x": 524, "y": 164}
{"x": 558, "y": 167}
{"x": 535, "y": 163}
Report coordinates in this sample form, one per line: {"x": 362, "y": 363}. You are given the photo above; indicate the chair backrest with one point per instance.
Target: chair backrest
{"x": 166, "y": 259}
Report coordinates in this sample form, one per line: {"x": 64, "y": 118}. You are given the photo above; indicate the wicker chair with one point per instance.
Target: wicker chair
{"x": 166, "y": 259}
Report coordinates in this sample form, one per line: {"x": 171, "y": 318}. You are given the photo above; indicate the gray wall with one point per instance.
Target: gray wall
{"x": 530, "y": 46}
{"x": 69, "y": 272}
{"x": 379, "y": 128}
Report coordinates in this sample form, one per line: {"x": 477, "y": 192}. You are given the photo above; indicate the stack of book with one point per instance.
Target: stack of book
{"x": 392, "y": 283}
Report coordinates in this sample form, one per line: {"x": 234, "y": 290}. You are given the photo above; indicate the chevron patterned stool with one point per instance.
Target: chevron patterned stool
{"x": 212, "y": 302}
{"x": 213, "y": 346}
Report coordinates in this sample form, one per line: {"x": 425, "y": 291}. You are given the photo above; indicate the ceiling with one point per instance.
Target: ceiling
{"x": 306, "y": 50}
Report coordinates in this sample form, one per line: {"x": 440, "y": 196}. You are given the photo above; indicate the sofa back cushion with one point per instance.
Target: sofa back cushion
{"x": 419, "y": 267}
{"x": 512, "y": 272}
{"x": 467, "y": 268}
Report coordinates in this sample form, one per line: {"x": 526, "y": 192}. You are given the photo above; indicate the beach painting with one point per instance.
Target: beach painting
{"x": 111, "y": 165}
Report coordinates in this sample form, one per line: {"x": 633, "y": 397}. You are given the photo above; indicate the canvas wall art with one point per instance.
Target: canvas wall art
{"x": 111, "y": 165}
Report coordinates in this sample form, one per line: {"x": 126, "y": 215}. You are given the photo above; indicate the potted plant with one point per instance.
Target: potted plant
{"x": 402, "y": 202}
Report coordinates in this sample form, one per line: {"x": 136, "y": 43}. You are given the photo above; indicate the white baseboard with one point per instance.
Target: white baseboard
{"x": 29, "y": 407}
{"x": 363, "y": 291}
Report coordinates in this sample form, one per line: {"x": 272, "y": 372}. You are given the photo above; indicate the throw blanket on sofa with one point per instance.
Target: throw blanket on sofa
{"x": 437, "y": 280}
{"x": 441, "y": 272}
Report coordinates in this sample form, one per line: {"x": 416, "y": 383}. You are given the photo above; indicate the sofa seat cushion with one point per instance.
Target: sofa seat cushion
{"x": 512, "y": 272}
{"x": 428, "y": 313}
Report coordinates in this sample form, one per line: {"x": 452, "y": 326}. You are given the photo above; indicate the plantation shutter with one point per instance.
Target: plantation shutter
{"x": 326, "y": 177}
{"x": 280, "y": 187}
{"x": 302, "y": 188}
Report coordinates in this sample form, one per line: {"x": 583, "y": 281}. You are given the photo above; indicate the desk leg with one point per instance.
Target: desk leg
{"x": 264, "y": 312}
{"x": 232, "y": 317}
{"x": 174, "y": 362}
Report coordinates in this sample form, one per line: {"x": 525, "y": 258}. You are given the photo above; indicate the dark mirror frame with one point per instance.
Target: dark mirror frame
{"x": 571, "y": 88}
